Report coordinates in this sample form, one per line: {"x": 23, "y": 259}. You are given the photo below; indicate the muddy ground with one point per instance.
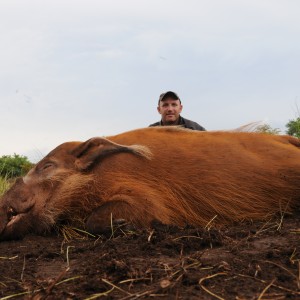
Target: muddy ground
{"x": 258, "y": 260}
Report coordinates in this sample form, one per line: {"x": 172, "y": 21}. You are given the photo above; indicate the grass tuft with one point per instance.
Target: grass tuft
{"x": 4, "y": 184}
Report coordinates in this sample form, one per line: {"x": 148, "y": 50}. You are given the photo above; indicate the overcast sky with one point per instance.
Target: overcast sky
{"x": 71, "y": 70}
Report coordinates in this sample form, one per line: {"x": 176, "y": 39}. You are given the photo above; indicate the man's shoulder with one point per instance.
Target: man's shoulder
{"x": 155, "y": 124}
{"x": 192, "y": 125}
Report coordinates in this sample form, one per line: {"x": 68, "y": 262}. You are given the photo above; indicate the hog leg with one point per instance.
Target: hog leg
{"x": 110, "y": 214}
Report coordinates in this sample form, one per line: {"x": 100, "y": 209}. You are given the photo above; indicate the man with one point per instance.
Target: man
{"x": 170, "y": 107}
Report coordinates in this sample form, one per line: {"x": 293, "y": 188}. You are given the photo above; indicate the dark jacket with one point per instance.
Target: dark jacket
{"x": 184, "y": 123}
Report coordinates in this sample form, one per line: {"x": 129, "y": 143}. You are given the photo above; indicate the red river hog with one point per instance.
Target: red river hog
{"x": 172, "y": 175}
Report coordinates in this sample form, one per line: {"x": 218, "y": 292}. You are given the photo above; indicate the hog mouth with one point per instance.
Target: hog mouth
{"x": 13, "y": 217}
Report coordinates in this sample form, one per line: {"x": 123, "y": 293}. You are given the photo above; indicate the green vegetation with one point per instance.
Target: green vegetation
{"x": 4, "y": 185}
{"x": 14, "y": 165}
{"x": 293, "y": 127}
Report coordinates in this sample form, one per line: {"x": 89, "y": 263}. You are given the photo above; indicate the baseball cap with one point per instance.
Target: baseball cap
{"x": 168, "y": 94}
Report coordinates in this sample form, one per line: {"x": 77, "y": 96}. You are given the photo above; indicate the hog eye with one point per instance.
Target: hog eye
{"x": 47, "y": 166}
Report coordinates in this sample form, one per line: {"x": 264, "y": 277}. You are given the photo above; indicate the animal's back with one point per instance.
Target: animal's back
{"x": 195, "y": 176}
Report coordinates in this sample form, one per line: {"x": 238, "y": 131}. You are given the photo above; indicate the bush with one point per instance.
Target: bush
{"x": 293, "y": 127}
{"x": 14, "y": 165}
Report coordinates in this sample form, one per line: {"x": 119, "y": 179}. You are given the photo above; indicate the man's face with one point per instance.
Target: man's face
{"x": 170, "y": 110}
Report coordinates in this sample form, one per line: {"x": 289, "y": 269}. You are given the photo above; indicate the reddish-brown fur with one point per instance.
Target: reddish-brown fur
{"x": 195, "y": 176}
{"x": 176, "y": 176}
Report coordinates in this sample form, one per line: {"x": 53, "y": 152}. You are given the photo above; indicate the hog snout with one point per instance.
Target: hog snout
{"x": 7, "y": 216}
{"x": 16, "y": 202}
{"x": 19, "y": 199}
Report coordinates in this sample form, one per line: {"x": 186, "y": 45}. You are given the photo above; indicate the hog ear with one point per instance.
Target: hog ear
{"x": 93, "y": 150}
